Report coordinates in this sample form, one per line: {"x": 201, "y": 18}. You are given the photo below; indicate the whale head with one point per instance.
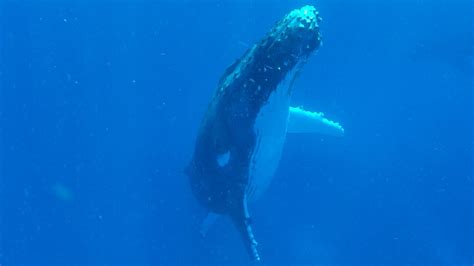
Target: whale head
{"x": 295, "y": 36}
{"x": 279, "y": 56}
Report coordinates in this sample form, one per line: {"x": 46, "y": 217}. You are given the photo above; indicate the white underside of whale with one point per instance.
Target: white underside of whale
{"x": 275, "y": 119}
{"x": 270, "y": 131}
{"x": 271, "y": 138}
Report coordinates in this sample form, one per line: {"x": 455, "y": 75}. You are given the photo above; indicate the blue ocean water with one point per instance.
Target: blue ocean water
{"x": 100, "y": 102}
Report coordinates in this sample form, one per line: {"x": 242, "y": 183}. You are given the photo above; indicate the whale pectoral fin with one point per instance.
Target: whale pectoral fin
{"x": 210, "y": 220}
{"x": 302, "y": 121}
{"x": 242, "y": 221}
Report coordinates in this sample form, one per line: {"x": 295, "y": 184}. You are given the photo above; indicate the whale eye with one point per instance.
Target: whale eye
{"x": 223, "y": 159}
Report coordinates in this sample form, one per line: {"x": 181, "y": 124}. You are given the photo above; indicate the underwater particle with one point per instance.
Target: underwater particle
{"x": 62, "y": 192}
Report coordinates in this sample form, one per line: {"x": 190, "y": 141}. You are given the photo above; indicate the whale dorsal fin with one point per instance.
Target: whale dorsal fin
{"x": 302, "y": 121}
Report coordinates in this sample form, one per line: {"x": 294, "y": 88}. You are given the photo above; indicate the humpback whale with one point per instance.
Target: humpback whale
{"x": 241, "y": 136}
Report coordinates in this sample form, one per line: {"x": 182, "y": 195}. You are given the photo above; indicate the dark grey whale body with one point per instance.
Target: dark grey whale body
{"x": 242, "y": 132}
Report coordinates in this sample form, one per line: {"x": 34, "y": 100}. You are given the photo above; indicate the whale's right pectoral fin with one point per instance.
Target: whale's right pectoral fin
{"x": 302, "y": 121}
{"x": 241, "y": 219}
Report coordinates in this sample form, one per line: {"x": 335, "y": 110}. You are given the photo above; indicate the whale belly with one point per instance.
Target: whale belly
{"x": 270, "y": 130}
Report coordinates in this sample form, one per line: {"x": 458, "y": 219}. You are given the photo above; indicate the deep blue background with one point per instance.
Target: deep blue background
{"x": 100, "y": 102}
